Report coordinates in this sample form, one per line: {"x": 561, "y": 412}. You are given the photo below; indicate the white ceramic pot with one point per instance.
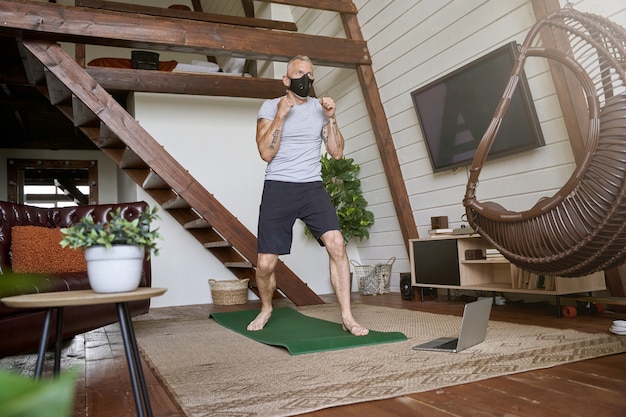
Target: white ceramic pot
{"x": 115, "y": 269}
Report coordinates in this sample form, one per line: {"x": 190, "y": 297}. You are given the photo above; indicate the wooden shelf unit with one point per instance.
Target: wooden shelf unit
{"x": 440, "y": 263}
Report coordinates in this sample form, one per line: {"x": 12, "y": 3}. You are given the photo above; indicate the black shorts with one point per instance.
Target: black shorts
{"x": 284, "y": 202}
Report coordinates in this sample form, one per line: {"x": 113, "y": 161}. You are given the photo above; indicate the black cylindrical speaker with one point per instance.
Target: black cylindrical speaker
{"x": 406, "y": 289}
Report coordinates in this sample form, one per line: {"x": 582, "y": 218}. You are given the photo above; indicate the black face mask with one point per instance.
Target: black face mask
{"x": 301, "y": 86}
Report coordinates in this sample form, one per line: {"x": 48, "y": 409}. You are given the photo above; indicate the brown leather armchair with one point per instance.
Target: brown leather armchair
{"x": 20, "y": 329}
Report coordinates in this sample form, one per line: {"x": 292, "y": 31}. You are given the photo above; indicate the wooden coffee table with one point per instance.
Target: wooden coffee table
{"x": 58, "y": 300}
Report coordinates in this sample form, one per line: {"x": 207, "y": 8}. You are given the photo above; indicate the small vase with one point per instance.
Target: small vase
{"x": 114, "y": 269}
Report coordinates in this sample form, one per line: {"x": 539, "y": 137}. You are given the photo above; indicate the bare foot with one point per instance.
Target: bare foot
{"x": 260, "y": 321}
{"x": 355, "y": 328}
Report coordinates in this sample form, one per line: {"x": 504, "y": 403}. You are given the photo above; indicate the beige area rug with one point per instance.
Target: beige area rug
{"x": 213, "y": 371}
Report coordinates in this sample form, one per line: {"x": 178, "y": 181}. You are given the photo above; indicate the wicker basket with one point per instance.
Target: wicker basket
{"x": 373, "y": 279}
{"x": 230, "y": 292}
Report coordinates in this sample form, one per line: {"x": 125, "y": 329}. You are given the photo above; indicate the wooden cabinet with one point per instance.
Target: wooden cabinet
{"x": 442, "y": 263}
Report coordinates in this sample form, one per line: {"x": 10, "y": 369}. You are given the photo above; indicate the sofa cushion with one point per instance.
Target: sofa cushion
{"x": 36, "y": 249}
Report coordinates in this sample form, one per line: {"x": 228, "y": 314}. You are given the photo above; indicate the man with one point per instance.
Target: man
{"x": 289, "y": 136}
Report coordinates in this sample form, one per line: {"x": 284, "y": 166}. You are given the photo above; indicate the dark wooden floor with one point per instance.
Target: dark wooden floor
{"x": 593, "y": 388}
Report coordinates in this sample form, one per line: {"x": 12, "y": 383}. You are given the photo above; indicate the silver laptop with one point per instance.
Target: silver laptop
{"x": 473, "y": 329}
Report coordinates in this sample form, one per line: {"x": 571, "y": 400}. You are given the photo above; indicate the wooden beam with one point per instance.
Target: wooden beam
{"x": 187, "y": 14}
{"x": 80, "y": 54}
{"x": 49, "y": 21}
{"x": 248, "y": 7}
{"x": 339, "y": 6}
{"x": 568, "y": 91}
{"x": 386, "y": 147}
{"x": 196, "y": 5}
{"x": 121, "y": 79}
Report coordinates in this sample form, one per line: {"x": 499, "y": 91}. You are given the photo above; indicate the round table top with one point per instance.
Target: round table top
{"x": 80, "y": 297}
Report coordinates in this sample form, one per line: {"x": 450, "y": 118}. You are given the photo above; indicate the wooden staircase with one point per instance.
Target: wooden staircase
{"x": 93, "y": 110}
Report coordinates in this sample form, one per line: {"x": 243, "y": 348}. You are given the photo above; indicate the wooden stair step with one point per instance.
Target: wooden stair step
{"x": 137, "y": 174}
{"x": 67, "y": 111}
{"x": 114, "y": 153}
{"x": 108, "y": 138}
{"x": 176, "y": 203}
{"x": 244, "y": 264}
{"x": 161, "y": 196}
{"x": 43, "y": 89}
{"x": 131, "y": 160}
{"x": 83, "y": 116}
{"x": 33, "y": 67}
{"x": 154, "y": 182}
{"x": 58, "y": 92}
{"x": 198, "y": 224}
{"x": 93, "y": 133}
{"x": 217, "y": 244}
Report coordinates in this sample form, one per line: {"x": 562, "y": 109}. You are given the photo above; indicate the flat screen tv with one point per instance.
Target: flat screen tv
{"x": 455, "y": 111}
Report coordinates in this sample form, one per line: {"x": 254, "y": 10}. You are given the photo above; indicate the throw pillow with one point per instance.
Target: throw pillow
{"x": 36, "y": 249}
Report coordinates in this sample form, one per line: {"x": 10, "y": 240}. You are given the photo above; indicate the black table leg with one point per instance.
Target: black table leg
{"x": 58, "y": 342}
{"x": 43, "y": 342}
{"x": 137, "y": 379}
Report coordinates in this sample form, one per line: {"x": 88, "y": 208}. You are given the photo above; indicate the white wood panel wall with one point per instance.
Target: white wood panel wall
{"x": 412, "y": 44}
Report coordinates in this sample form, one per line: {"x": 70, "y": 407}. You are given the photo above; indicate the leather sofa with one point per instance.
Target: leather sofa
{"x": 20, "y": 329}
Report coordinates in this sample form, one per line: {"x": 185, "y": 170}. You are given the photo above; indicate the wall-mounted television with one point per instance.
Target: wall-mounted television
{"x": 455, "y": 111}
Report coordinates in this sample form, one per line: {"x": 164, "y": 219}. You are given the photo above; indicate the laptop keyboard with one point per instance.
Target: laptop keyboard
{"x": 448, "y": 345}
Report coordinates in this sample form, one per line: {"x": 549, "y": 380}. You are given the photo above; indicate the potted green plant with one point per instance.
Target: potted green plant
{"x": 114, "y": 250}
{"x": 344, "y": 188}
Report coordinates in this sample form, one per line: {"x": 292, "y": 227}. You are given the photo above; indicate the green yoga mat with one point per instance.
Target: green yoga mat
{"x": 300, "y": 334}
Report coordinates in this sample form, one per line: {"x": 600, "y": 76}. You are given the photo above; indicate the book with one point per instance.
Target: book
{"x": 440, "y": 231}
{"x": 435, "y": 233}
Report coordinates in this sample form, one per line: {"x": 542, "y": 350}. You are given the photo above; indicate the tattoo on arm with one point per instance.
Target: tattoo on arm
{"x": 335, "y": 129}
{"x": 324, "y": 134}
{"x": 331, "y": 124}
{"x": 275, "y": 138}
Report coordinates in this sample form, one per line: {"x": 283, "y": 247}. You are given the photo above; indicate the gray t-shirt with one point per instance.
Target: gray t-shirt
{"x": 298, "y": 157}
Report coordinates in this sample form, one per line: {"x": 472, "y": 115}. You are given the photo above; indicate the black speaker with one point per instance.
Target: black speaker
{"x": 406, "y": 289}
{"x": 439, "y": 222}
{"x": 144, "y": 60}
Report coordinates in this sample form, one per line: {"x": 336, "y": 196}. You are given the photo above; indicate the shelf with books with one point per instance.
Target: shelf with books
{"x": 469, "y": 262}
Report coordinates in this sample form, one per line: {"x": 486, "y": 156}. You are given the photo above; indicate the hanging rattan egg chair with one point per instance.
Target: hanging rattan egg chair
{"x": 582, "y": 228}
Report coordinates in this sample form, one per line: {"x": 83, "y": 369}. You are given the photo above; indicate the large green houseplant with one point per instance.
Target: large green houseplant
{"x": 344, "y": 188}
{"x": 114, "y": 250}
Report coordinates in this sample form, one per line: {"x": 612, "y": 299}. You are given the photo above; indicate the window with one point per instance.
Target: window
{"x": 52, "y": 183}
